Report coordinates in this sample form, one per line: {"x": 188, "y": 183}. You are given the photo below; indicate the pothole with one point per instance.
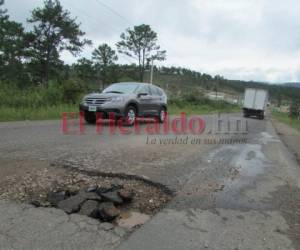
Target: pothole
{"x": 126, "y": 201}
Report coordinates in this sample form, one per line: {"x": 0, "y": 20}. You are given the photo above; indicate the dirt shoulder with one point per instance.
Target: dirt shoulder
{"x": 289, "y": 136}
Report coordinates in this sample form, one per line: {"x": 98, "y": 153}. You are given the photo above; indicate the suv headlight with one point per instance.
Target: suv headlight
{"x": 117, "y": 99}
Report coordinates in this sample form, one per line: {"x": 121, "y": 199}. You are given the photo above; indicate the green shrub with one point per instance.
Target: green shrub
{"x": 53, "y": 95}
{"x": 72, "y": 90}
{"x": 294, "y": 111}
{"x": 194, "y": 97}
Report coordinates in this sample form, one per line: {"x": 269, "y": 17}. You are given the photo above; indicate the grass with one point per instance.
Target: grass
{"x": 54, "y": 112}
{"x": 42, "y": 113}
{"x": 284, "y": 118}
{"x": 193, "y": 109}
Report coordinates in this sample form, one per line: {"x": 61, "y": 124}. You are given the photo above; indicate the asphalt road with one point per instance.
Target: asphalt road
{"x": 228, "y": 196}
{"x": 168, "y": 162}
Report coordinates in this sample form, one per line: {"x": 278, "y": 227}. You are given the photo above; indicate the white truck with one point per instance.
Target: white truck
{"x": 255, "y": 102}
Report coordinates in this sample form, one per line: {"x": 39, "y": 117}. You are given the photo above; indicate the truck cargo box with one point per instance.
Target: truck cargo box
{"x": 255, "y": 102}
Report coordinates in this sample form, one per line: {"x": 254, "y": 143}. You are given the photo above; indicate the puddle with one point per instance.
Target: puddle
{"x": 251, "y": 164}
{"x": 266, "y": 138}
{"x": 248, "y": 159}
{"x": 248, "y": 163}
{"x": 130, "y": 220}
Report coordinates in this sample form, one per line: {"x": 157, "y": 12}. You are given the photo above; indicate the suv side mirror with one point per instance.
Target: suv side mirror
{"x": 142, "y": 94}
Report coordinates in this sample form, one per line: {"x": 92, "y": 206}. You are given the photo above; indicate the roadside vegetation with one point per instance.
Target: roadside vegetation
{"x": 41, "y": 113}
{"x": 212, "y": 107}
{"x": 292, "y": 118}
{"x": 285, "y": 118}
{"x": 194, "y": 103}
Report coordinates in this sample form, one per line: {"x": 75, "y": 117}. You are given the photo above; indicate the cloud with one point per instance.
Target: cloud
{"x": 250, "y": 40}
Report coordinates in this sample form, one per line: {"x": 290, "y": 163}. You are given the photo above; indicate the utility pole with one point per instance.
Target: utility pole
{"x": 151, "y": 72}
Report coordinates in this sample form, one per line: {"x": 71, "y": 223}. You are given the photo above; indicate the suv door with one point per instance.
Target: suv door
{"x": 156, "y": 100}
{"x": 145, "y": 101}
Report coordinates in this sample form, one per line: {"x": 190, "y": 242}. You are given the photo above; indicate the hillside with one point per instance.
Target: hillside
{"x": 182, "y": 81}
{"x": 293, "y": 84}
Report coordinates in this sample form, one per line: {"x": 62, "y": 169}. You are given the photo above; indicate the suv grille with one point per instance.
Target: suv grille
{"x": 95, "y": 101}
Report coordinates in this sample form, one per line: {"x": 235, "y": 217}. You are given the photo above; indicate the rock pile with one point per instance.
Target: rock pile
{"x": 96, "y": 202}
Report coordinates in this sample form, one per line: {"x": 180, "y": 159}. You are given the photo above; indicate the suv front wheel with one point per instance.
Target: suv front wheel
{"x": 90, "y": 117}
{"x": 130, "y": 115}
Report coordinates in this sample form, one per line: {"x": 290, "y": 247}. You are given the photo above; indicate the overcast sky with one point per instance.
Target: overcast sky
{"x": 239, "y": 39}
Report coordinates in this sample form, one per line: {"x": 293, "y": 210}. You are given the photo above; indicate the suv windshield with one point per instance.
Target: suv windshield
{"x": 121, "y": 88}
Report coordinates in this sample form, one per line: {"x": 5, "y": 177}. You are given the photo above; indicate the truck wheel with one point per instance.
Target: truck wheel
{"x": 246, "y": 115}
{"x": 90, "y": 117}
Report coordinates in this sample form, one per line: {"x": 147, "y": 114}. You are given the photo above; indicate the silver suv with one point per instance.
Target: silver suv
{"x": 127, "y": 100}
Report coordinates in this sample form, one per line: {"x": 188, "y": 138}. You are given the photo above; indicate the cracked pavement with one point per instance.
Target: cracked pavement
{"x": 26, "y": 227}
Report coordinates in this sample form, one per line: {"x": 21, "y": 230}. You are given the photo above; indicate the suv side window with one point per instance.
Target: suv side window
{"x": 160, "y": 92}
{"x": 144, "y": 89}
{"x": 154, "y": 90}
